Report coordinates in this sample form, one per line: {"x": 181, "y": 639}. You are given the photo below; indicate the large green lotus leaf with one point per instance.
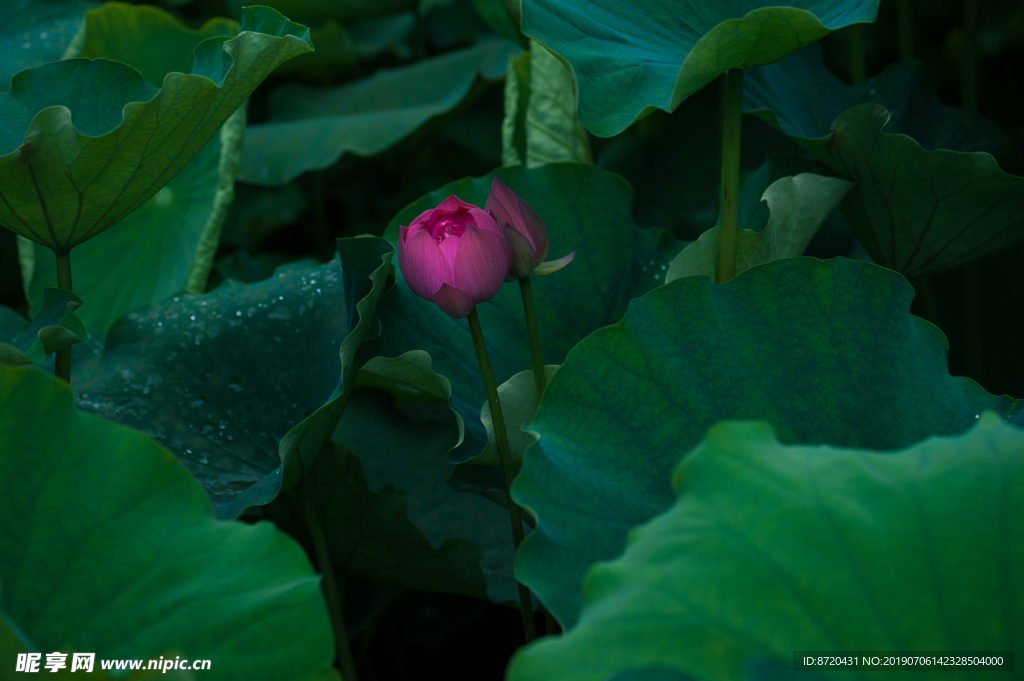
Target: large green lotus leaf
{"x": 311, "y": 128}
{"x": 152, "y": 570}
{"x": 401, "y": 449}
{"x": 798, "y": 207}
{"x": 928, "y": 197}
{"x": 244, "y": 384}
{"x": 56, "y": 327}
{"x": 14, "y": 643}
{"x": 913, "y": 550}
{"x": 165, "y": 246}
{"x": 826, "y": 351}
{"x": 168, "y": 244}
{"x": 586, "y": 210}
{"x": 35, "y": 32}
{"x": 85, "y": 143}
{"x": 128, "y": 34}
{"x": 632, "y": 57}
{"x": 540, "y": 124}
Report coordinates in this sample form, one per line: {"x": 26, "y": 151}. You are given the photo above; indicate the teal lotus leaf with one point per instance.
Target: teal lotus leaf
{"x": 244, "y": 384}
{"x": 311, "y": 128}
{"x": 108, "y": 545}
{"x": 404, "y": 524}
{"x": 631, "y": 58}
{"x": 825, "y": 351}
{"x": 86, "y": 142}
{"x": 36, "y": 32}
{"x": 930, "y": 194}
{"x": 911, "y": 551}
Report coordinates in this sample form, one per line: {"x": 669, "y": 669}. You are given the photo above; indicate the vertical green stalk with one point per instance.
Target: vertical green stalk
{"x": 905, "y": 17}
{"x": 62, "y": 360}
{"x": 858, "y": 64}
{"x": 323, "y": 561}
{"x": 506, "y": 463}
{"x": 531, "y": 328}
{"x": 731, "y": 127}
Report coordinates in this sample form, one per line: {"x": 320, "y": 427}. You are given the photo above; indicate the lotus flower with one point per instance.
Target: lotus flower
{"x": 454, "y": 255}
{"x": 525, "y": 232}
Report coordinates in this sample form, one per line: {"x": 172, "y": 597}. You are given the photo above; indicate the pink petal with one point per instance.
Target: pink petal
{"x": 423, "y": 266}
{"x": 508, "y": 207}
{"x": 482, "y": 263}
{"x": 533, "y": 228}
{"x": 501, "y": 203}
{"x": 449, "y": 247}
{"x": 453, "y": 203}
{"x": 402, "y": 232}
{"x": 483, "y": 220}
{"x": 553, "y": 265}
{"x": 453, "y": 301}
{"x": 524, "y": 258}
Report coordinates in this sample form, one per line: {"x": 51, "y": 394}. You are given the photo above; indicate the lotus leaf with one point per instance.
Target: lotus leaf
{"x": 929, "y": 193}
{"x": 86, "y": 142}
{"x": 824, "y": 350}
{"x": 153, "y": 570}
{"x": 311, "y": 128}
{"x": 912, "y": 550}
{"x": 630, "y": 58}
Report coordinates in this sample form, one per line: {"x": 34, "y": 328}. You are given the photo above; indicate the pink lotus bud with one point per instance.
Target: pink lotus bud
{"x": 454, "y": 255}
{"x": 525, "y": 232}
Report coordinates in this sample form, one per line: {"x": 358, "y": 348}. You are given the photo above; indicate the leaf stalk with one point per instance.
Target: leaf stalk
{"x": 323, "y": 561}
{"x": 731, "y": 128}
{"x": 62, "y": 359}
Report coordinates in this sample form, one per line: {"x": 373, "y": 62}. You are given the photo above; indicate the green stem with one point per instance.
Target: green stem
{"x": 323, "y": 560}
{"x": 539, "y": 379}
{"x": 969, "y": 65}
{"x": 905, "y": 17}
{"x": 62, "y": 360}
{"x": 731, "y": 127}
{"x": 506, "y": 462}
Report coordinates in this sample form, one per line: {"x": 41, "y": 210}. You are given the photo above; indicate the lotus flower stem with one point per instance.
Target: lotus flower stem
{"x": 906, "y": 22}
{"x": 531, "y": 328}
{"x": 323, "y": 561}
{"x": 506, "y": 462}
{"x": 62, "y": 360}
{"x": 731, "y": 126}
{"x": 858, "y": 65}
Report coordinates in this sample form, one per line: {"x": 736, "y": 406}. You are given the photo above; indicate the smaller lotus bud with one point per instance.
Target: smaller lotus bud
{"x": 525, "y": 232}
